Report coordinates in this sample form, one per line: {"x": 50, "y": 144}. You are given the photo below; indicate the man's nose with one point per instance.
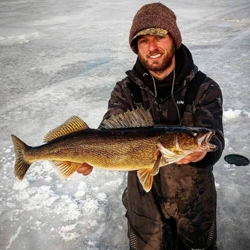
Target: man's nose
{"x": 152, "y": 45}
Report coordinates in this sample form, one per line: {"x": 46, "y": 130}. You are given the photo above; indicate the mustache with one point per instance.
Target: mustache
{"x": 156, "y": 52}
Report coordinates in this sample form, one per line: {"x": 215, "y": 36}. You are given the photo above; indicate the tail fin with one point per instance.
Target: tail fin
{"x": 21, "y": 166}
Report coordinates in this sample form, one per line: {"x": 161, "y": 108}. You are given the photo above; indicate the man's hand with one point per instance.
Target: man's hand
{"x": 193, "y": 157}
{"x": 84, "y": 169}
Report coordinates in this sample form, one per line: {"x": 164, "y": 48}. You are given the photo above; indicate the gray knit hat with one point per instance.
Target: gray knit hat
{"x": 154, "y": 19}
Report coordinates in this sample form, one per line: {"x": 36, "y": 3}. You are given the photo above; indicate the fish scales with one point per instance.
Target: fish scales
{"x": 114, "y": 150}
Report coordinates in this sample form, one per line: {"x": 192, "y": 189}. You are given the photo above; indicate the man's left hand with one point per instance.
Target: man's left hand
{"x": 193, "y": 157}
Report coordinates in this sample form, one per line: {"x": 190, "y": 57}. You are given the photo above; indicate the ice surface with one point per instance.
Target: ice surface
{"x": 62, "y": 58}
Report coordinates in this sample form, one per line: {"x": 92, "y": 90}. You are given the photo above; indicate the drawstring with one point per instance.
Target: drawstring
{"x": 172, "y": 95}
{"x": 154, "y": 86}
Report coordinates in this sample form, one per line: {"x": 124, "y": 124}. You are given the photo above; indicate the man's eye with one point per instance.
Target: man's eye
{"x": 142, "y": 41}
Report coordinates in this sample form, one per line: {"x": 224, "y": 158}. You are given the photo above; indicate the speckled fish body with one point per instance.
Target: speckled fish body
{"x": 124, "y": 149}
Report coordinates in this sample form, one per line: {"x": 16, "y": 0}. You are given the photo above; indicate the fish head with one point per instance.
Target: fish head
{"x": 185, "y": 139}
{"x": 195, "y": 139}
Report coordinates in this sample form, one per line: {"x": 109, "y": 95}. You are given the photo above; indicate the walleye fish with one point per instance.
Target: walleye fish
{"x": 126, "y": 142}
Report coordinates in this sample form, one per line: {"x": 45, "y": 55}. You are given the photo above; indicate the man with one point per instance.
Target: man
{"x": 180, "y": 210}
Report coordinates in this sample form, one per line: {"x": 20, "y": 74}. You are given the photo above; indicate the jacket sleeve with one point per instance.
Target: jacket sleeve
{"x": 121, "y": 99}
{"x": 208, "y": 113}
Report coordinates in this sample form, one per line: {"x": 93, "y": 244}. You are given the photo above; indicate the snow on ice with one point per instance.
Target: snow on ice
{"x": 60, "y": 59}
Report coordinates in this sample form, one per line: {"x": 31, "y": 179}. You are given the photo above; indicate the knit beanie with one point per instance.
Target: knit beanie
{"x": 154, "y": 19}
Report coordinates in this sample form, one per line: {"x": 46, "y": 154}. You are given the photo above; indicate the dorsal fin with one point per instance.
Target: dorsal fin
{"x": 130, "y": 119}
{"x": 73, "y": 124}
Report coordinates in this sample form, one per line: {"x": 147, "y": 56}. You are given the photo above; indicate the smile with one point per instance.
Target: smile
{"x": 155, "y": 56}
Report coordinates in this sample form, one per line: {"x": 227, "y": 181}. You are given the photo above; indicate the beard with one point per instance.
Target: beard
{"x": 158, "y": 66}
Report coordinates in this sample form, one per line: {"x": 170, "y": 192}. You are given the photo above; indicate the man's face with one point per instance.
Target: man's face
{"x": 156, "y": 53}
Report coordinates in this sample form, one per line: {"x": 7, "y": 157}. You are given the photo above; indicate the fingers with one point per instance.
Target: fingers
{"x": 183, "y": 161}
{"x": 193, "y": 157}
{"x": 85, "y": 169}
{"x": 199, "y": 158}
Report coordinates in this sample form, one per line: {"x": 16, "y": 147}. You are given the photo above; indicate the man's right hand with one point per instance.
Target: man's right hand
{"x": 84, "y": 169}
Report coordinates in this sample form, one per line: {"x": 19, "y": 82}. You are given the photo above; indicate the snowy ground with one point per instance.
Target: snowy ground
{"x": 62, "y": 58}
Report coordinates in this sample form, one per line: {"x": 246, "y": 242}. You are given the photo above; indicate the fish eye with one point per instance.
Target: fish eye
{"x": 194, "y": 133}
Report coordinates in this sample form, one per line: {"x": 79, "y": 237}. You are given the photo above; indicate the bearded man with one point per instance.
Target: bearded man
{"x": 180, "y": 210}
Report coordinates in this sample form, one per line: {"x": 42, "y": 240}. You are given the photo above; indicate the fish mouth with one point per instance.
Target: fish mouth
{"x": 205, "y": 140}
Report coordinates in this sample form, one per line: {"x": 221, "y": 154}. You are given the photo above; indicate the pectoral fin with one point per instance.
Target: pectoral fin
{"x": 66, "y": 168}
{"x": 145, "y": 178}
